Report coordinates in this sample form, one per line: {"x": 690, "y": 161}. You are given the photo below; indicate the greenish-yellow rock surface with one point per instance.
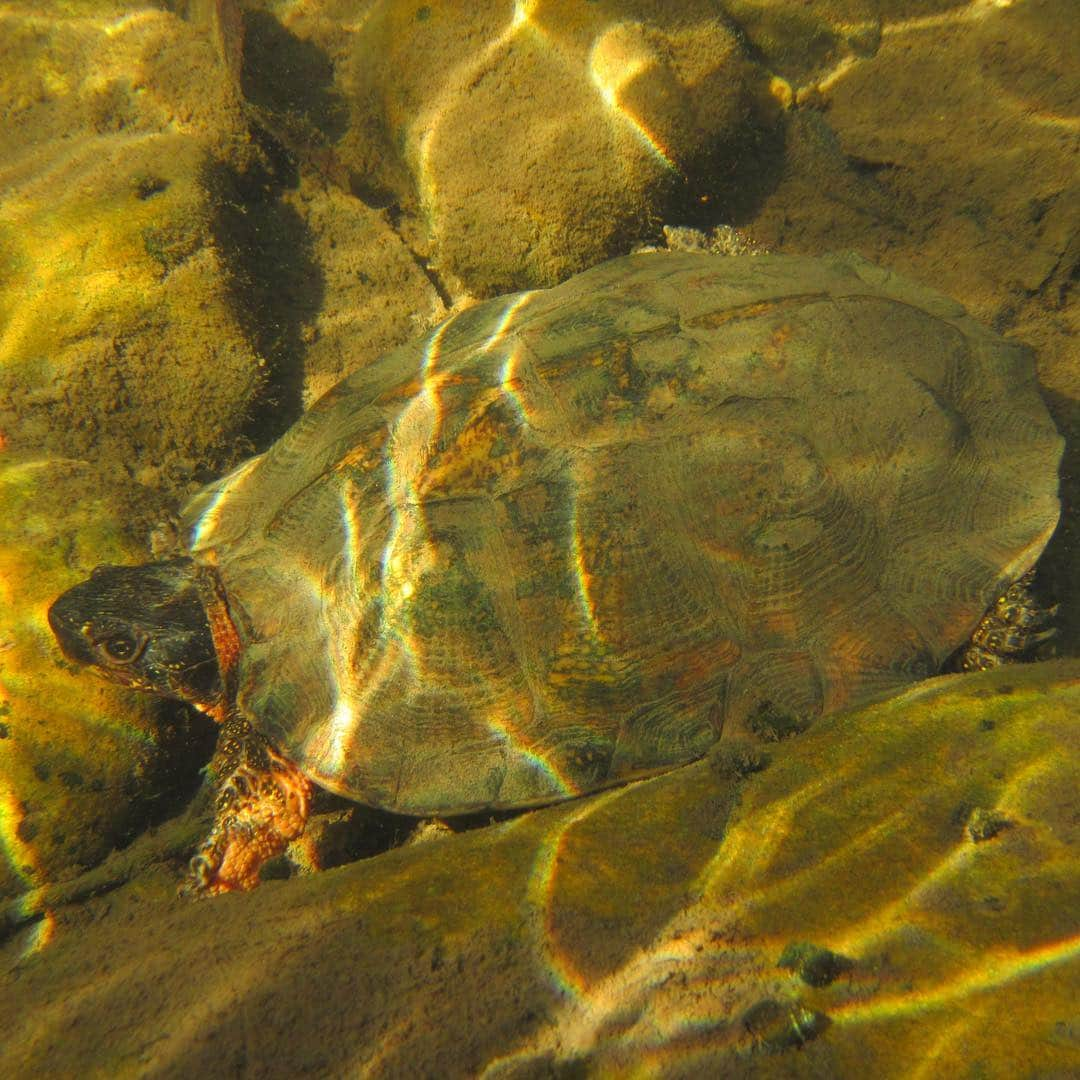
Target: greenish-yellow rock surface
{"x": 897, "y": 887}
{"x": 372, "y": 293}
{"x": 122, "y": 357}
{"x": 79, "y": 759}
{"x": 119, "y": 339}
{"x": 530, "y": 140}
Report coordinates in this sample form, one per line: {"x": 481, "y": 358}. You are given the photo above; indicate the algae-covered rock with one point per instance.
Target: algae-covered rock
{"x": 828, "y": 915}
{"x": 119, "y": 341}
{"x": 78, "y": 757}
{"x": 372, "y": 294}
{"x": 121, "y": 355}
{"x": 536, "y": 139}
{"x": 799, "y": 40}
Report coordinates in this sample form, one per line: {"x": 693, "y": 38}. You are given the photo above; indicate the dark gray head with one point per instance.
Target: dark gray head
{"x": 143, "y": 626}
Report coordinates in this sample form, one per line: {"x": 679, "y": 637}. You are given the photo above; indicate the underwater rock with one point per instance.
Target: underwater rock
{"x": 638, "y": 928}
{"x": 78, "y": 757}
{"x": 373, "y": 295}
{"x": 799, "y": 40}
{"x": 777, "y": 1027}
{"x": 984, "y": 825}
{"x": 590, "y": 122}
{"x": 814, "y": 965}
{"x": 528, "y": 141}
{"x": 120, "y": 343}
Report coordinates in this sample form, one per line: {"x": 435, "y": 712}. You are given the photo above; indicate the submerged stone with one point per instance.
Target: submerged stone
{"x": 79, "y": 759}
{"x": 626, "y": 930}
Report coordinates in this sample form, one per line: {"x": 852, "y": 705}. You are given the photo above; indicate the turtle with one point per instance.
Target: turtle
{"x": 574, "y": 536}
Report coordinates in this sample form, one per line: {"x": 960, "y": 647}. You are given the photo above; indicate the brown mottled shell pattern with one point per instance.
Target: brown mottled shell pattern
{"x": 573, "y": 533}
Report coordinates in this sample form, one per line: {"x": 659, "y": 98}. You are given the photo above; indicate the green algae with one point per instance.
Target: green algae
{"x": 641, "y": 928}
{"x": 78, "y": 758}
{"x": 114, "y": 293}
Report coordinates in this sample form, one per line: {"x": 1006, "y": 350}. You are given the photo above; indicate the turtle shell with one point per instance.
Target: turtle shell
{"x": 572, "y": 534}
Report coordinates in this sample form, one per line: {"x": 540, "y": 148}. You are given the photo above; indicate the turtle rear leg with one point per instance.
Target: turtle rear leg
{"x": 262, "y": 803}
{"x": 1012, "y": 630}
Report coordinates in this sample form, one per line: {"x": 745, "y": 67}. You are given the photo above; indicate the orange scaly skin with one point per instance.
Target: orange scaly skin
{"x": 1013, "y": 628}
{"x": 263, "y": 799}
{"x": 226, "y": 643}
{"x": 262, "y": 804}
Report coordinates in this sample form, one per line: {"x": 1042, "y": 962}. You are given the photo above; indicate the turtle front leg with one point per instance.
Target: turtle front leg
{"x": 262, "y": 803}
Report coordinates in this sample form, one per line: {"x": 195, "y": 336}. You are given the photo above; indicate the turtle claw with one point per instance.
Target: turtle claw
{"x": 200, "y": 879}
{"x": 262, "y": 804}
{"x": 1014, "y": 629}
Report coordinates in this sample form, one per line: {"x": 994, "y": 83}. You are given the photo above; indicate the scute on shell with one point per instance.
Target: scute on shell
{"x": 573, "y": 534}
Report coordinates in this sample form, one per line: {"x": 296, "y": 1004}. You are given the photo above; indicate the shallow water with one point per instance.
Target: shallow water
{"x": 209, "y": 216}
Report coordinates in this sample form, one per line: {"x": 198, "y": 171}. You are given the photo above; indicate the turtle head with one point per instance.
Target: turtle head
{"x": 143, "y": 626}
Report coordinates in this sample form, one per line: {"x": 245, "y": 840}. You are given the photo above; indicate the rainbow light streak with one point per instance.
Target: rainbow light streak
{"x": 132, "y": 21}
{"x": 954, "y": 863}
{"x": 333, "y": 741}
{"x": 641, "y": 987}
{"x": 350, "y": 526}
{"x": 206, "y": 524}
{"x": 792, "y": 884}
{"x": 587, "y": 1007}
{"x": 1033, "y": 773}
{"x": 331, "y": 744}
{"x": 585, "y": 602}
{"x": 751, "y": 845}
{"x": 503, "y": 729}
{"x": 407, "y": 554}
{"x": 1000, "y": 967}
{"x": 110, "y": 28}
{"x": 972, "y": 12}
{"x": 394, "y": 651}
{"x": 510, "y": 384}
{"x": 503, "y": 325}
{"x": 22, "y": 858}
{"x": 541, "y": 888}
{"x": 609, "y": 74}
{"x": 335, "y": 744}
{"x": 929, "y": 1064}
{"x": 40, "y": 934}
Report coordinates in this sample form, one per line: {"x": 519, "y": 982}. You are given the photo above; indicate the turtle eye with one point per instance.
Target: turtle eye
{"x": 121, "y": 647}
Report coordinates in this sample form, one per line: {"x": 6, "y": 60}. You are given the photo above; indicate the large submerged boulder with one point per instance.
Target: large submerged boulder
{"x": 897, "y": 879}
{"x": 79, "y": 759}
{"x": 121, "y": 342}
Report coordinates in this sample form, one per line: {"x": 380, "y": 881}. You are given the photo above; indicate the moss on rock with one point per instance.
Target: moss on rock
{"x": 643, "y": 925}
{"x": 78, "y": 757}
{"x": 119, "y": 341}
{"x": 526, "y": 142}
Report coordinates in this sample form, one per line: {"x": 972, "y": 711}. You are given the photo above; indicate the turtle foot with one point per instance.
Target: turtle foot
{"x": 1014, "y": 629}
{"x": 262, "y": 804}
